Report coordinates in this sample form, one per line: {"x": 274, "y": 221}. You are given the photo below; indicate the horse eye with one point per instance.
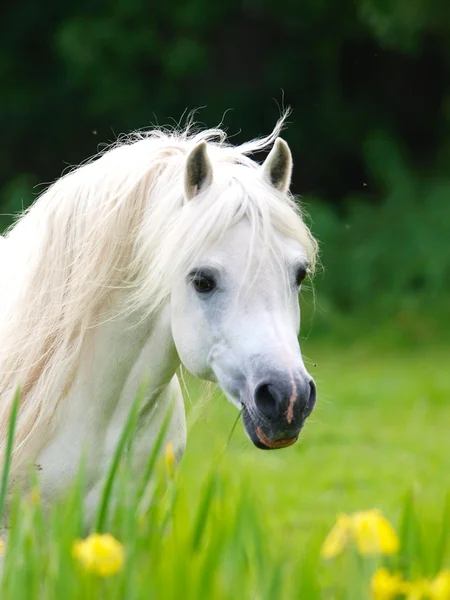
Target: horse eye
{"x": 301, "y": 274}
{"x": 203, "y": 284}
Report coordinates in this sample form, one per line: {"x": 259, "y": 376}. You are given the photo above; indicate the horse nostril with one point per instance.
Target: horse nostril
{"x": 312, "y": 398}
{"x": 266, "y": 400}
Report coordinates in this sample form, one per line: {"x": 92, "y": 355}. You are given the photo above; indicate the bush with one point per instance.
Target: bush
{"x": 386, "y": 258}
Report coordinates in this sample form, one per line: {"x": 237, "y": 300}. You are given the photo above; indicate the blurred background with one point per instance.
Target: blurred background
{"x": 368, "y": 82}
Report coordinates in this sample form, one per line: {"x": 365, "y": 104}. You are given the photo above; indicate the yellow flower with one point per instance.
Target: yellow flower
{"x": 170, "y": 460}
{"x": 374, "y": 534}
{"x": 439, "y": 588}
{"x": 338, "y": 538}
{"x": 99, "y": 554}
{"x": 416, "y": 590}
{"x": 386, "y": 585}
{"x": 370, "y": 530}
{"x": 2, "y": 547}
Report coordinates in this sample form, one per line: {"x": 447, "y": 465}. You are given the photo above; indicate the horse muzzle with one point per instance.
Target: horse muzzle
{"x": 276, "y": 411}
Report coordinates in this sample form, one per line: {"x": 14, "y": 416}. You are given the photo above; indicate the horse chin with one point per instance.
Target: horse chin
{"x": 260, "y": 439}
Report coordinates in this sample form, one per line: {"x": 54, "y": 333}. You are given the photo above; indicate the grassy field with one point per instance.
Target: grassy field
{"x": 237, "y": 522}
{"x": 381, "y": 428}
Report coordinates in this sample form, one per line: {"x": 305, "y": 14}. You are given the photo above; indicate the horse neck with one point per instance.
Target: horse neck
{"x": 128, "y": 352}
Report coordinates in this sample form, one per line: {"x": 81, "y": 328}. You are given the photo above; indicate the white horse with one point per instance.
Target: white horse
{"x": 168, "y": 248}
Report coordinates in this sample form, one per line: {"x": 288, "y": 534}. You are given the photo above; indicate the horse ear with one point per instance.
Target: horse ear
{"x": 277, "y": 168}
{"x": 198, "y": 171}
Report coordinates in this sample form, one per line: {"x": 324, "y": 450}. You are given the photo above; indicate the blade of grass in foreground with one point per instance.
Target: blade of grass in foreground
{"x": 127, "y": 431}
{"x": 155, "y": 452}
{"x": 233, "y": 428}
{"x": 8, "y": 453}
{"x": 231, "y": 433}
{"x": 411, "y": 555}
{"x": 275, "y": 587}
{"x": 442, "y": 542}
{"x": 202, "y": 512}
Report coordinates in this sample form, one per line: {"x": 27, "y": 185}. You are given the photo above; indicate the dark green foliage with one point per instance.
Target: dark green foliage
{"x": 368, "y": 83}
{"x": 389, "y": 255}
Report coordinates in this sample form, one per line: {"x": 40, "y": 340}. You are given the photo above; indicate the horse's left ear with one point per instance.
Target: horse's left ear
{"x": 198, "y": 171}
{"x": 277, "y": 168}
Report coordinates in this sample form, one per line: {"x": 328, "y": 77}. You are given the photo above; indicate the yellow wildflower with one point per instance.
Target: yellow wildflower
{"x": 416, "y": 590}
{"x": 439, "y": 588}
{"x": 2, "y": 547}
{"x": 99, "y": 554}
{"x": 370, "y": 530}
{"x": 338, "y": 538}
{"x": 386, "y": 585}
{"x": 374, "y": 534}
{"x": 170, "y": 460}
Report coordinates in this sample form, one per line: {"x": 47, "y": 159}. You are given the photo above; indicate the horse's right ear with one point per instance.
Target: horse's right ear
{"x": 198, "y": 171}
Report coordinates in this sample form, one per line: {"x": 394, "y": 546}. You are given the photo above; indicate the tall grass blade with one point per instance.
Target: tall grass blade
{"x": 202, "y": 513}
{"x": 411, "y": 554}
{"x": 128, "y": 430}
{"x": 150, "y": 466}
{"x": 9, "y": 450}
{"x": 234, "y": 427}
{"x": 274, "y": 590}
{"x": 442, "y": 542}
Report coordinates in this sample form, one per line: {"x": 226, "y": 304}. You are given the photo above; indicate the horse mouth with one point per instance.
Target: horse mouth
{"x": 274, "y": 444}
{"x": 260, "y": 439}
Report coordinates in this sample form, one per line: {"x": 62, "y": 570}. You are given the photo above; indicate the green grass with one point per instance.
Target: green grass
{"x": 381, "y": 428}
{"x": 238, "y": 522}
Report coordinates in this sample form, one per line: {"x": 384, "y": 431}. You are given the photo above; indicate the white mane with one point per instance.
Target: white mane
{"x": 119, "y": 221}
